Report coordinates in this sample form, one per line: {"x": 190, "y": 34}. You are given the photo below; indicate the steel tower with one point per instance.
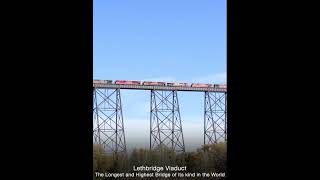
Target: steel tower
{"x": 108, "y": 128}
{"x": 215, "y": 117}
{"x": 165, "y": 121}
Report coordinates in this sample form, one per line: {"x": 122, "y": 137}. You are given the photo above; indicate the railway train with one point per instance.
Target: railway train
{"x": 102, "y": 81}
{"x": 127, "y": 82}
{"x": 201, "y": 85}
{"x": 178, "y": 84}
{"x": 151, "y": 83}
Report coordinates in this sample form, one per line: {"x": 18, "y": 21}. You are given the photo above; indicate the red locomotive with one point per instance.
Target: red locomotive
{"x": 127, "y": 82}
{"x": 178, "y": 84}
{"x": 150, "y": 83}
{"x": 200, "y": 85}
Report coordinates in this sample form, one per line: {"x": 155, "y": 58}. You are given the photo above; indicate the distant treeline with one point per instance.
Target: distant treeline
{"x": 208, "y": 158}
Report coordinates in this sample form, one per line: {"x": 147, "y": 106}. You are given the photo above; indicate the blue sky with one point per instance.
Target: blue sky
{"x": 163, "y": 40}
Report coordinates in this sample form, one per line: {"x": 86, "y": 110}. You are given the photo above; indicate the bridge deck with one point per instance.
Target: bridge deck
{"x": 163, "y": 88}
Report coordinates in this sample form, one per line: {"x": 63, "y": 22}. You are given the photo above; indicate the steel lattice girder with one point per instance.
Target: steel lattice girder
{"x": 108, "y": 128}
{"x": 165, "y": 121}
{"x": 215, "y": 119}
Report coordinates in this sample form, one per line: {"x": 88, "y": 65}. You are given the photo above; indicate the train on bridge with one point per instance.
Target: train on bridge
{"x": 152, "y": 83}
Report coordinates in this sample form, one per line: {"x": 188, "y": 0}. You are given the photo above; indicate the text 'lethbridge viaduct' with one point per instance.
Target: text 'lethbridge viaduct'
{"x": 165, "y": 119}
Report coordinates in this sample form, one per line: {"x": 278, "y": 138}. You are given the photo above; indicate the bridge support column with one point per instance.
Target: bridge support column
{"x": 108, "y": 128}
{"x": 165, "y": 121}
{"x": 215, "y": 117}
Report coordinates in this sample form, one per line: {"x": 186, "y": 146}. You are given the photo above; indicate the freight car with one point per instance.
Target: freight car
{"x": 220, "y": 86}
{"x": 150, "y": 83}
{"x": 96, "y": 81}
{"x": 178, "y": 84}
{"x": 200, "y": 85}
{"x": 127, "y": 82}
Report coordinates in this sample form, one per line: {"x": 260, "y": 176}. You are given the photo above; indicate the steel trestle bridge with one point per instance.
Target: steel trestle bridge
{"x": 165, "y": 118}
